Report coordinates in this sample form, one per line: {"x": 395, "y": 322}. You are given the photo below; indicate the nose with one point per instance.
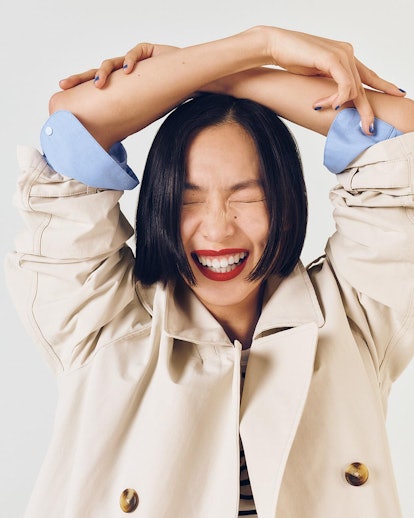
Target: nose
{"x": 217, "y": 223}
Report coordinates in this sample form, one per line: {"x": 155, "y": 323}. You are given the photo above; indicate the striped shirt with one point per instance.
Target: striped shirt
{"x": 246, "y": 505}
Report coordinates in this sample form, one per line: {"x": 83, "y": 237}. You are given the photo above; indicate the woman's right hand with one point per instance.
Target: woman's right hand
{"x": 306, "y": 54}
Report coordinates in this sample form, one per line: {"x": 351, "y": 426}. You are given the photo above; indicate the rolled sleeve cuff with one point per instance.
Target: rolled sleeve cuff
{"x": 72, "y": 151}
{"x": 346, "y": 140}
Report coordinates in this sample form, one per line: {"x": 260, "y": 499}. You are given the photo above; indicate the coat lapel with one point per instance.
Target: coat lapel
{"x": 278, "y": 377}
{"x": 277, "y": 380}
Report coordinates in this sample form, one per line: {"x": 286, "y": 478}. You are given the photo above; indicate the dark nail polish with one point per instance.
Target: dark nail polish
{"x": 401, "y": 90}
{"x": 372, "y": 129}
{"x": 318, "y": 108}
{"x": 96, "y": 78}
{"x": 337, "y": 107}
{"x": 125, "y": 66}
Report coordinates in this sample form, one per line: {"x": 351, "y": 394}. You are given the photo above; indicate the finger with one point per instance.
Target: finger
{"x": 362, "y": 104}
{"x": 341, "y": 72}
{"x": 129, "y": 63}
{"x": 354, "y": 94}
{"x": 140, "y": 52}
{"x": 330, "y": 101}
{"x": 76, "y": 79}
{"x": 365, "y": 111}
{"x": 370, "y": 78}
{"x": 345, "y": 91}
{"x": 346, "y": 70}
{"x": 345, "y": 73}
{"x": 107, "y": 67}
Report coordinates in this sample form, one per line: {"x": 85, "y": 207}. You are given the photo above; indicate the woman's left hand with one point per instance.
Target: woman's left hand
{"x": 128, "y": 62}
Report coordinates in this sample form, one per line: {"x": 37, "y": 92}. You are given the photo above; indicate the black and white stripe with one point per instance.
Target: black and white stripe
{"x": 246, "y": 505}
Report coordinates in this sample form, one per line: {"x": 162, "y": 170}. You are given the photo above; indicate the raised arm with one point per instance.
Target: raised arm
{"x": 293, "y": 97}
{"x": 129, "y": 102}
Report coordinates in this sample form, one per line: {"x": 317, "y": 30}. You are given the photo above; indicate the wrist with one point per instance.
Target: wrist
{"x": 266, "y": 38}
{"x": 255, "y": 46}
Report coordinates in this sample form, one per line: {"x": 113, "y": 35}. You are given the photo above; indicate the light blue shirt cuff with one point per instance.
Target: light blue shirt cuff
{"x": 345, "y": 139}
{"x": 71, "y": 150}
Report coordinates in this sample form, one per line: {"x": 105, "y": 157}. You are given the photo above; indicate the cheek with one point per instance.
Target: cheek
{"x": 188, "y": 225}
{"x": 258, "y": 227}
{"x": 263, "y": 240}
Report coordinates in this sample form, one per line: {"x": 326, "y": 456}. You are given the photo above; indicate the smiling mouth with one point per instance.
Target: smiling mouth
{"x": 222, "y": 265}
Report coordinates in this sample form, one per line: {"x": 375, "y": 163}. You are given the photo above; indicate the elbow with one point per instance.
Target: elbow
{"x": 407, "y": 116}
{"x": 402, "y": 114}
{"x": 57, "y": 102}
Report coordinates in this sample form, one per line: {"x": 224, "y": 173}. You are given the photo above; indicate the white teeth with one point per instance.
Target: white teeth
{"x": 222, "y": 264}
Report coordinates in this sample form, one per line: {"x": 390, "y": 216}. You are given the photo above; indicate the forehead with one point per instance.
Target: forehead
{"x": 220, "y": 153}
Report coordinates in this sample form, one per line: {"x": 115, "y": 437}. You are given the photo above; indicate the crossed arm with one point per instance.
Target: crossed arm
{"x": 314, "y": 78}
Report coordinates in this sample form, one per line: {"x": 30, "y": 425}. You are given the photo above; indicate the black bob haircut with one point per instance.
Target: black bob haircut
{"x": 160, "y": 253}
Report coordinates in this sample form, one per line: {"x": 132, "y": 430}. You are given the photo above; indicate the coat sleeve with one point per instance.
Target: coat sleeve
{"x": 372, "y": 250}
{"x": 71, "y": 271}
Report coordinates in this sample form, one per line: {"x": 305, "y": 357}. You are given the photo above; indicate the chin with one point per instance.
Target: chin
{"x": 225, "y": 294}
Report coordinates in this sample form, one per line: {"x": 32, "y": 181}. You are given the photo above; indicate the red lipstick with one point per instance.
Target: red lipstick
{"x": 215, "y": 275}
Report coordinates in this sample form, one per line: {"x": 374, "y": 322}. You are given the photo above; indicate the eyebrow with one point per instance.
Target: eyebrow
{"x": 233, "y": 188}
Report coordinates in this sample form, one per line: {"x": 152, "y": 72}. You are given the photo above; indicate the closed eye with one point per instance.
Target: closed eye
{"x": 248, "y": 200}
{"x": 192, "y": 201}
{"x": 193, "y": 195}
{"x": 243, "y": 192}
{"x": 248, "y": 195}
{"x": 250, "y": 191}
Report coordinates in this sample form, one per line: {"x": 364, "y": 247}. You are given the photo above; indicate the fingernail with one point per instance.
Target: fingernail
{"x": 401, "y": 90}
{"x": 125, "y": 66}
{"x": 316, "y": 108}
{"x": 96, "y": 78}
{"x": 337, "y": 107}
{"x": 372, "y": 129}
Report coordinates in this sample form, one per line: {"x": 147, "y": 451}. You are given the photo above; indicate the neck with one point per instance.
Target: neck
{"x": 239, "y": 320}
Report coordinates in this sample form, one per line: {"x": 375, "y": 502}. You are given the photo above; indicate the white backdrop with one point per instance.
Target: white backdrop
{"x": 44, "y": 40}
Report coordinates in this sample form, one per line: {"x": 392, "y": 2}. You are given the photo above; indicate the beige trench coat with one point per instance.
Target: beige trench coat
{"x": 150, "y": 384}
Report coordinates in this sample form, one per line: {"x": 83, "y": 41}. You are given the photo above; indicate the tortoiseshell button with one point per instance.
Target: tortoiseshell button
{"x": 356, "y": 474}
{"x": 129, "y": 500}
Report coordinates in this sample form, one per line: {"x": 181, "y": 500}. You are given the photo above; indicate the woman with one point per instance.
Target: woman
{"x": 149, "y": 352}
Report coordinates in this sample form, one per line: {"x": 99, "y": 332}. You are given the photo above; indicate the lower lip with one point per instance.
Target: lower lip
{"x": 217, "y": 276}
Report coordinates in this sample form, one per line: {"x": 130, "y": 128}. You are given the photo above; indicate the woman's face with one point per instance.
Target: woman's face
{"x": 224, "y": 221}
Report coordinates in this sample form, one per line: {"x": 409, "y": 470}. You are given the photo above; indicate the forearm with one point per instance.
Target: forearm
{"x": 293, "y": 96}
{"x": 130, "y": 102}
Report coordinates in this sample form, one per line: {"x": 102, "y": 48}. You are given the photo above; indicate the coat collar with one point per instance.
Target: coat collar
{"x": 291, "y": 303}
